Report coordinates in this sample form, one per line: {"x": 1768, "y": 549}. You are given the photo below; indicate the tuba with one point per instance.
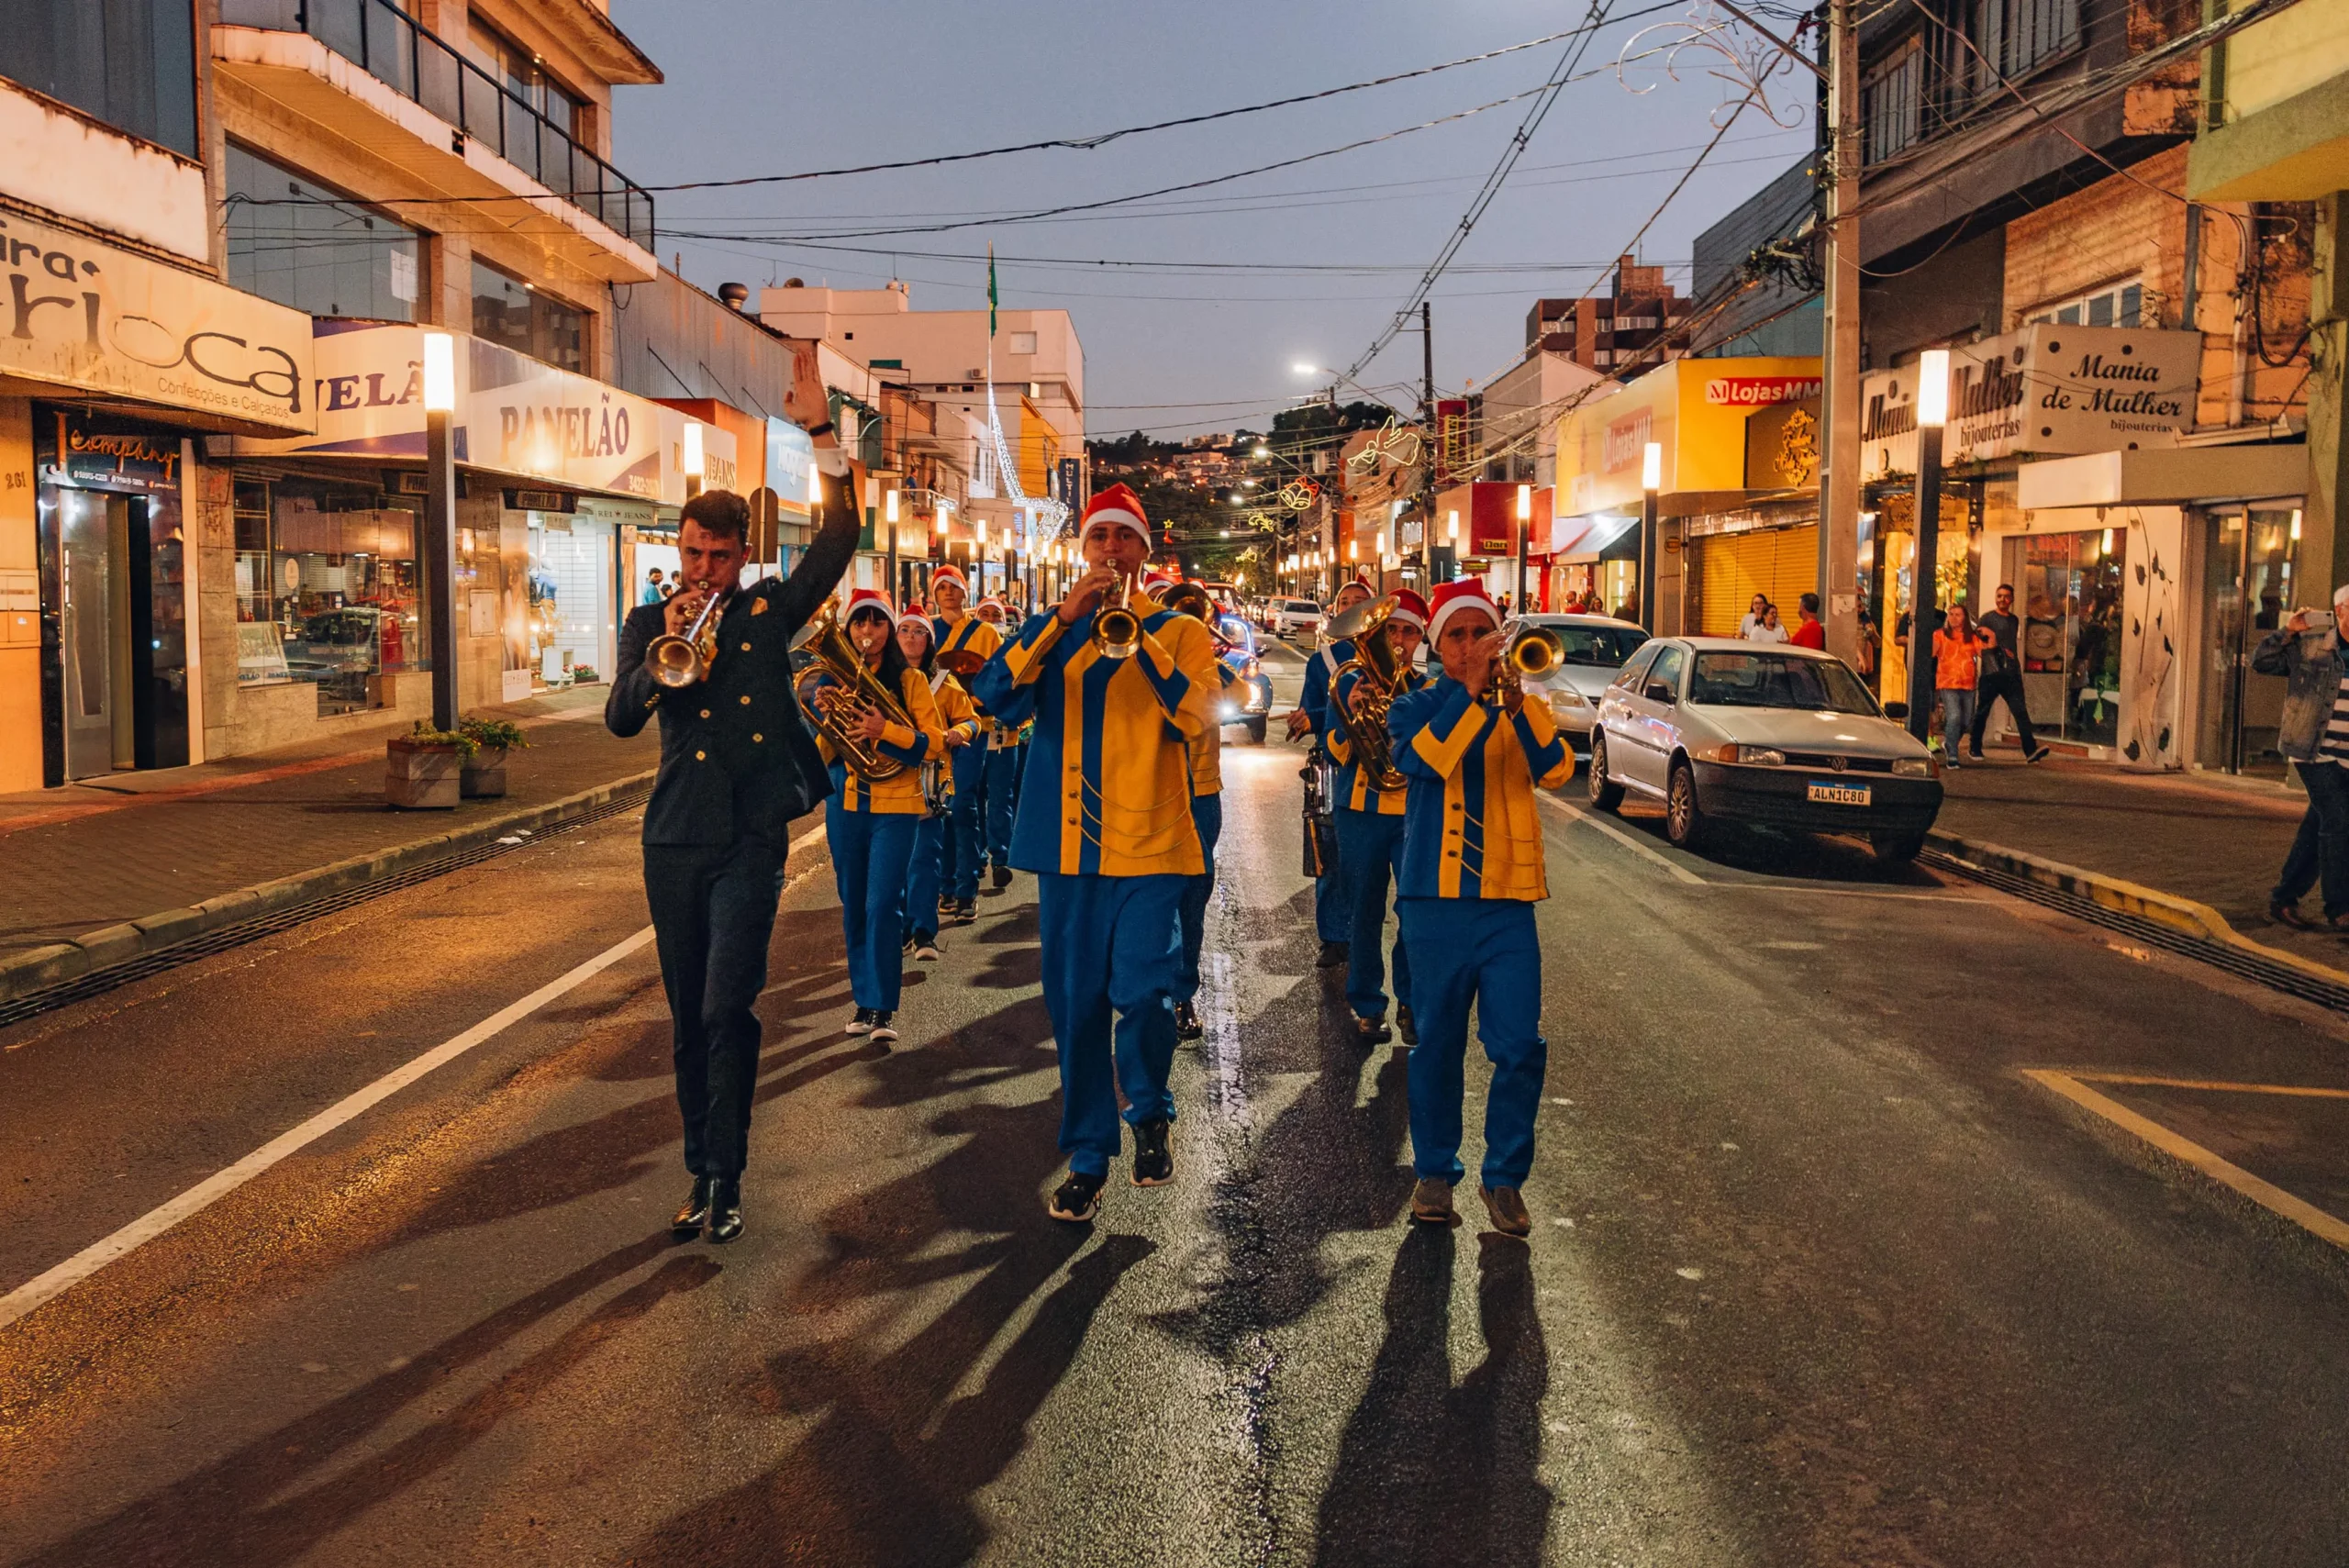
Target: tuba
{"x": 836, "y": 691}
{"x": 1381, "y": 673}
{"x": 680, "y": 660}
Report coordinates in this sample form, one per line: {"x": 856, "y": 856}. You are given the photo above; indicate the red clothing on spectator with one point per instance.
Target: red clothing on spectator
{"x": 1810, "y": 634}
{"x": 1954, "y": 657}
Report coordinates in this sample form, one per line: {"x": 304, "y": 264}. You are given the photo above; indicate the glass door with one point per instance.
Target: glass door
{"x": 93, "y": 618}
{"x": 2249, "y": 591}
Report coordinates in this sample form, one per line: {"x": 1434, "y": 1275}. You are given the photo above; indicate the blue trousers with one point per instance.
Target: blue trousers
{"x": 1332, "y": 917}
{"x": 1370, "y": 853}
{"x": 980, "y": 832}
{"x": 923, "y": 875}
{"x": 1109, "y": 947}
{"x": 713, "y": 915}
{"x": 871, "y": 852}
{"x": 1482, "y": 950}
{"x": 1206, "y": 815}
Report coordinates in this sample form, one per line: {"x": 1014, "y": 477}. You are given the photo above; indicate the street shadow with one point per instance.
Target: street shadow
{"x": 274, "y": 1500}
{"x": 1428, "y": 1473}
{"x": 1785, "y": 852}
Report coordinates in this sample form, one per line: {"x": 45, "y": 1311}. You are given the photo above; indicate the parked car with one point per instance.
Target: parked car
{"x": 1287, "y": 617}
{"x": 1248, "y": 697}
{"x": 1595, "y": 649}
{"x": 1722, "y": 730}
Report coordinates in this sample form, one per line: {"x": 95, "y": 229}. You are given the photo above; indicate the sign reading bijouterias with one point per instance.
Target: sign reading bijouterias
{"x": 106, "y": 321}
{"x": 2046, "y": 389}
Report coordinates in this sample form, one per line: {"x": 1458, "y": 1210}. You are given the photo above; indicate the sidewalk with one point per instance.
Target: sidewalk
{"x": 2216, "y": 840}
{"x": 133, "y": 845}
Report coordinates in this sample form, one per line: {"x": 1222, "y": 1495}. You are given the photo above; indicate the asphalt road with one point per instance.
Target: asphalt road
{"x": 1816, "y": 1278}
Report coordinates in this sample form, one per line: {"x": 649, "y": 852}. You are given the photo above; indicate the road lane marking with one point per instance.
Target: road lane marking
{"x": 1646, "y": 851}
{"x": 2304, "y": 1090}
{"x": 2266, "y": 1195}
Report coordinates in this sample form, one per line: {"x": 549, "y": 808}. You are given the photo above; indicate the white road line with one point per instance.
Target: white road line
{"x": 1646, "y": 851}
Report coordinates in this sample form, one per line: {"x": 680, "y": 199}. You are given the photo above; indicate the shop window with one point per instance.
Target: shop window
{"x": 1891, "y": 101}
{"x": 304, "y": 245}
{"x": 514, "y": 315}
{"x": 128, "y": 62}
{"x": 326, "y": 589}
{"x": 2068, "y": 587}
{"x": 2013, "y": 38}
{"x": 2114, "y": 304}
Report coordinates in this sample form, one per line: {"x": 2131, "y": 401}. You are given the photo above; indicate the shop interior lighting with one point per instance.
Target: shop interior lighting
{"x": 1525, "y": 502}
{"x": 889, "y": 506}
{"x": 1651, "y": 466}
{"x": 1932, "y": 389}
{"x": 1452, "y": 527}
{"x": 440, "y": 373}
{"x": 692, "y": 459}
{"x": 2295, "y": 524}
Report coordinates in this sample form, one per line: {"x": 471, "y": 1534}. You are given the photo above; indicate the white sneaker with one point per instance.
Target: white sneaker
{"x": 883, "y": 1027}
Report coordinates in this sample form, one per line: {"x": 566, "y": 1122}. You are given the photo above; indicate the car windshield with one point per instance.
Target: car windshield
{"x": 1778, "y": 680}
{"x": 1235, "y": 632}
{"x": 1600, "y": 646}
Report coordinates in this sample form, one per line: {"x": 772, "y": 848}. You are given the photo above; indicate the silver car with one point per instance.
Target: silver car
{"x": 1722, "y": 730}
{"x": 1592, "y": 650}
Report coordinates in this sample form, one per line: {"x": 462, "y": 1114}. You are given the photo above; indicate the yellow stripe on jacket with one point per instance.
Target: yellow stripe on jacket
{"x": 899, "y": 794}
{"x": 1473, "y": 828}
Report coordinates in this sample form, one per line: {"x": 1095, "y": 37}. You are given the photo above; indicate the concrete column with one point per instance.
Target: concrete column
{"x": 2324, "y": 527}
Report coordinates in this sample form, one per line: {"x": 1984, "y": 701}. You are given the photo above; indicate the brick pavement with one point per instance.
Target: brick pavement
{"x": 132, "y": 845}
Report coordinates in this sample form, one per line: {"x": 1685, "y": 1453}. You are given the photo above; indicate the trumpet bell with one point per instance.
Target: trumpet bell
{"x": 1536, "y": 651}
{"x": 1117, "y": 632}
{"x": 961, "y": 661}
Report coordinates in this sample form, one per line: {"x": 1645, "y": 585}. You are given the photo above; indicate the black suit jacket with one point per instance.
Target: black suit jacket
{"x": 737, "y": 759}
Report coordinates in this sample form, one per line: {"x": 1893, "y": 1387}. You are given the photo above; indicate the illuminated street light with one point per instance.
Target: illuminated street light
{"x": 1933, "y": 413}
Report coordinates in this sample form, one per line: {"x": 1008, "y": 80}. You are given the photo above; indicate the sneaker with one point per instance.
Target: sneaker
{"x": 1153, "y": 1161}
{"x": 1974, "y": 753}
{"x": 1332, "y": 956}
{"x": 1371, "y": 1031}
{"x": 1187, "y": 1022}
{"x": 863, "y": 1022}
{"x": 1405, "y": 1024}
{"x": 1508, "y": 1210}
{"x": 926, "y": 949}
{"x": 1950, "y": 763}
{"x": 1432, "y": 1202}
{"x": 966, "y": 910}
{"x": 946, "y": 904}
{"x": 1077, "y": 1199}
{"x": 1002, "y": 878}
{"x": 883, "y": 1025}
{"x": 2040, "y": 755}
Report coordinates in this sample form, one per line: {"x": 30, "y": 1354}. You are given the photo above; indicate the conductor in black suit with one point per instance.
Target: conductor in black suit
{"x": 737, "y": 765}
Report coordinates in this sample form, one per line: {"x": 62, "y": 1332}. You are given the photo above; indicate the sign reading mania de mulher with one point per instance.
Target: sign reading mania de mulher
{"x": 2048, "y": 389}
{"x": 98, "y": 319}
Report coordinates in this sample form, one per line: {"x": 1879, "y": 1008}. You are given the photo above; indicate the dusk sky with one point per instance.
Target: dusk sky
{"x": 757, "y": 89}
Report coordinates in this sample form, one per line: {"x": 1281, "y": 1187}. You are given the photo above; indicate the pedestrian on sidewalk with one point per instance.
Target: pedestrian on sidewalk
{"x": 1769, "y": 629}
{"x": 1957, "y": 648}
{"x": 737, "y": 765}
{"x": 653, "y": 592}
{"x": 1753, "y": 617}
{"x": 2314, "y": 733}
{"x": 1809, "y": 633}
{"x": 2000, "y": 678}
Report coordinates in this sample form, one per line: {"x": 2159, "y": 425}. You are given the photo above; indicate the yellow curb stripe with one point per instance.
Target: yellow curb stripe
{"x": 2268, "y": 1195}
{"x": 2300, "y": 1089}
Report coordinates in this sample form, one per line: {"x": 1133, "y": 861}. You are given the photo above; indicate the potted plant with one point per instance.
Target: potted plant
{"x": 484, "y": 775}
{"x": 421, "y": 768}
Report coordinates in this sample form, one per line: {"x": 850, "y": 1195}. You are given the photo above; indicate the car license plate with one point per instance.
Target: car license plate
{"x": 1838, "y": 794}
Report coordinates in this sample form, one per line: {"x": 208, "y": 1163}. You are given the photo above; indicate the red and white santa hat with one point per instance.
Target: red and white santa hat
{"x": 1119, "y": 506}
{"x": 1459, "y": 593}
{"x": 991, "y": 602}
{"x": 1156, "y": 583}
{"x": 949, "y": 573}
{"x": 1410, "y": 609}
{"x": 916, "y": 615}
{"x": 865, "y": 599}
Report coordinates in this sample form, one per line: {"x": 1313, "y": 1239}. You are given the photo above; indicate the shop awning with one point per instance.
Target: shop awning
{"x": 2165, "y": 476}
{"x": 1604, "y": 536}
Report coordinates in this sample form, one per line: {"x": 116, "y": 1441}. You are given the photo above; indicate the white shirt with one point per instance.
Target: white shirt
{"x": 1757, "y": 632}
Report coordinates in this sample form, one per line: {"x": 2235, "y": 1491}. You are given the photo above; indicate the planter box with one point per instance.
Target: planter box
{"x": 486, "y": 778}
{"x": 421, "y": 778}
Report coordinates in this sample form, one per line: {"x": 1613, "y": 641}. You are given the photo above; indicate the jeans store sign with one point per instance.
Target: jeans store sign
{"x": 514, "y": 416}
{"x": 88, "y": 316}
{"x": 2049, "y": 389}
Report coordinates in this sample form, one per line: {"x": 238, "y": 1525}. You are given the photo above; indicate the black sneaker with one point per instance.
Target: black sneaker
{"x": 1002, "y": 878}
{"x": 1153, "y": 1161}
{"x": 966, "y": 910}
{"x": 1187, "y": 1022}
{"x": 863, "y": 1022}
{"x": 1405, "y": 1024}
{"x": 725, "y": 1208}
{"x": 1077, "y": 1199}
{"x": 1371, "y": 1031}
{"x": 946, "y": 904}
{"x": 2039, "y": 756}
{"x": 926, "y": 949}
{"x": 883, "y": 1025}
{"x": 1333, "y": 956}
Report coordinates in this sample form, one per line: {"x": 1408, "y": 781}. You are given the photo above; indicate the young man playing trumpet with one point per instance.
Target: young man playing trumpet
{"x": 1332, "y": 919}
{"x": 1474, "y": 751}
{"x": 965, "y": 641}
{"x": 1370, "y": 826}
{"x": 1121, "y": 691}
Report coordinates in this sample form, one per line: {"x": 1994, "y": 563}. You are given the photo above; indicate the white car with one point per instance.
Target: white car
{"x": 1285, "y": 617}
{"x": 1594, "y": 649}
{"x": 1719, "y": 731}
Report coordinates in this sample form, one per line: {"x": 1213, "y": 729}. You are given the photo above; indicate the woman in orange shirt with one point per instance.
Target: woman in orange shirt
{"x": 1956, "y": 647}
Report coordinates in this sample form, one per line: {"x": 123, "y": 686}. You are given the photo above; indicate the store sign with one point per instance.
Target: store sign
{"x": 97, "y": 453}
{"x": 89, "y": 316}
{"x": 791, "y": 457}
{"x": 514, "y": 415}
{"x": 1759, "y": 391}
{"x": 1782, "y": 447}
{"x": 2049, "y": 388}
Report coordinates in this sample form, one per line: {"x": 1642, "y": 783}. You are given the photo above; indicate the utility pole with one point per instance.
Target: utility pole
{"x": 1838, "y": 469}
{"x": 1428, "y": 449}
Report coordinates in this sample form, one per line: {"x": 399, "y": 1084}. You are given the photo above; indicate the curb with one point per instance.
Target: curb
{"x": 109, "y": 945}
{"x": 2181, "y": 915}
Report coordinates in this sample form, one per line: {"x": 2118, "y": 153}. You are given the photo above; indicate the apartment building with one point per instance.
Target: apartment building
{"x": 1636, "y": 323}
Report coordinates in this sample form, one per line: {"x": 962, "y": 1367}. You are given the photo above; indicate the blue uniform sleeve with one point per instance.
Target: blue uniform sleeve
{"x": 1433, "y": 728}
{"x": 1005, "y": 685}
{"x": 1315, "y": 700}
{"x": 1545, "y": 753}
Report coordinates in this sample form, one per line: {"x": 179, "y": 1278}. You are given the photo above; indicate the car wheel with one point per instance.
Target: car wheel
{"x": 1684, "y": 820}
{"x": 1257, "y": 730}
{"x": 1896, "y": 846}
{"x": 1605, "y": 793}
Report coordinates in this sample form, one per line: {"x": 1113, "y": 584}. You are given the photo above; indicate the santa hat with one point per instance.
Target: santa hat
{"x": 1410, "y": 609}
{"x": 1459, "y": 593}
{"x": 1119, "y": 506}
{"x": 865, "y": 599}
{"x": 991, "y": 602}
{"x": 917, "y": 615}
{"x": 950, "y": 572}
{"x": 1154, "y": 580}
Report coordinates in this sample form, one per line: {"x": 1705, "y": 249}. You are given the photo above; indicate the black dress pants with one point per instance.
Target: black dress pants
{"x": 713, "y": 915}
{"x": 2003, "y": 685}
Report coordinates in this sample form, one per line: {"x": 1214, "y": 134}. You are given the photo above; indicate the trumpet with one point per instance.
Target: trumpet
{"x": 1117, "y": 630}
{"x": 839, "y": 688}
{"x": 680, "y": 660}
{"x": 1532, "y": 650}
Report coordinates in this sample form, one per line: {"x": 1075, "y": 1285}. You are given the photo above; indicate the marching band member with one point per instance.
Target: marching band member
{"x": 1007, "y": 749}
{"x": 959, "y": 722}
{"x": 1106, "y": 827}
{"x": 871, "y": 824}
{"x": 1206, "y": 815}
{"x": 1370, "y": 837}
{"x": 737, "y": 765}
{"x": 960, "y": 636}
{"x": 1331, "y": 916}
{"x": 1474, "y": 751}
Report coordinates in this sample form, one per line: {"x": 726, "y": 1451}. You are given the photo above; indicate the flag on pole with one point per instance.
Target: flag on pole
{"x": 991, "y": 293}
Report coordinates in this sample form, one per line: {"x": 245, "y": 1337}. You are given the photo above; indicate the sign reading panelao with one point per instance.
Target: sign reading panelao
{"x": 106, "y": 321}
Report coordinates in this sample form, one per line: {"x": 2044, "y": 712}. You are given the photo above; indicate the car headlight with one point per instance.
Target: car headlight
{"x": 1567, "y": 696}
{"x": 1914, "y": 767}
{"x": 1253, "y": 670}
{"x": 1751, "y": 756}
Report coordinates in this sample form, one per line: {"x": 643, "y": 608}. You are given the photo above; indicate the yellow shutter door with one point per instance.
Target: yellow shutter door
{"x": 1781, "y": 564}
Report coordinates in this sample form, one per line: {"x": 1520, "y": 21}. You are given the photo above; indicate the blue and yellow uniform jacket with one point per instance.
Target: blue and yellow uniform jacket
{"x": 900, "y": 792}
{"x": 967, "y": 633}
{"x": 957, "y": 715}
{"x": 1319, "y": 671}
{"x": 1357, "y": 791}
{"x": 1472, "y": 828}
{"x": 1109, "y": 786}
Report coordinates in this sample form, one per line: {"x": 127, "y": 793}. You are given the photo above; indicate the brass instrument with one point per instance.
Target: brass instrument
{"x": 681, "y": 660}
{"x": 1117, "y": 630}
{"x": 1381, "y": 673}
{"x": 1532, "y": 650}
{"x": 1191, "y": 599}
{"x": 962, "y": 663}
{"x": 838, "y": 689}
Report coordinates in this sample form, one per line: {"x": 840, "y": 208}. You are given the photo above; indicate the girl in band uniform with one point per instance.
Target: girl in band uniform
{"x": 957, "y": 632}
{"x": 959, "y": 722}
{"x": 1370, "y": 839}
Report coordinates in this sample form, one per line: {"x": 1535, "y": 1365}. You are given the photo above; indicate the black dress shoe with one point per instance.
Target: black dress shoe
{"x": 1405, "y": 1024}
{"x": 1003, "y": 876}
{"x": 1333, "y": 956}
{"x": 694, "y": 1211}
{"x": 1371, "y": 1031}
{"x": 1187, "y": 1022}
{"x": 725, "y": 1208}
{"x": 2289, "y": 915}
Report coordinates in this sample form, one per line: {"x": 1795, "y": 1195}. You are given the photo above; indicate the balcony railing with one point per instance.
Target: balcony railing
{"x": 384, "y": 41}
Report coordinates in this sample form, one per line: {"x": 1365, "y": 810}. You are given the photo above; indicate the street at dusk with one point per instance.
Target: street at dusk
{"x": 1227, "y": 787}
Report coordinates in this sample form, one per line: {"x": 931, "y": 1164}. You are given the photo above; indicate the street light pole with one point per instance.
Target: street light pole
{"x": 1524, "y": 539}
{"x": 440, "y": 523}
{"x": 1933, "y": 413}
{"x": 1651, "y": 482}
